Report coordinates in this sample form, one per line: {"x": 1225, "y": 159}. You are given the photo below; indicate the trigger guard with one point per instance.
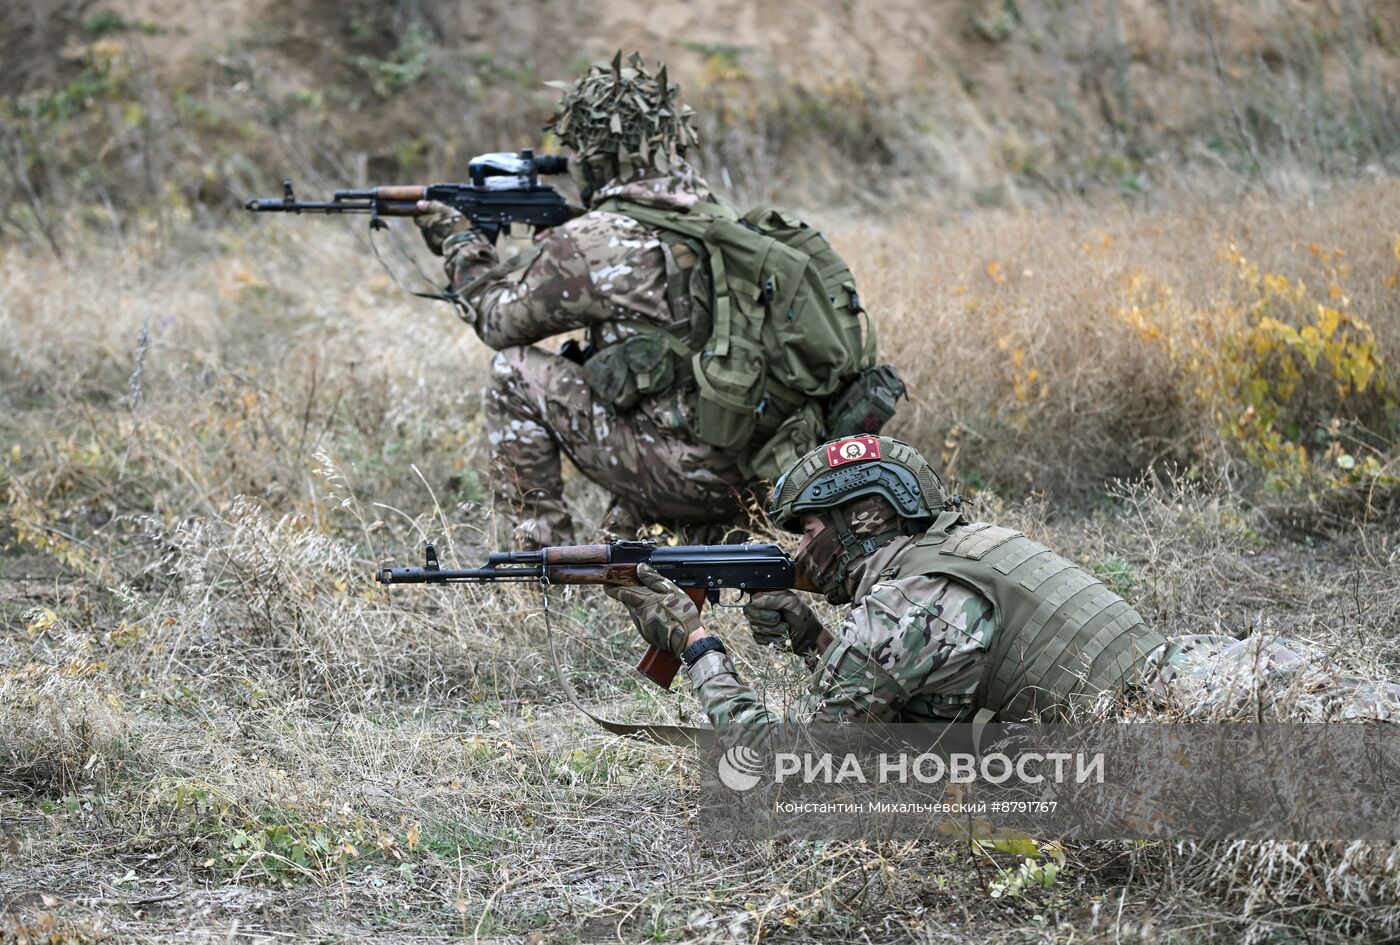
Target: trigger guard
{"x": 712, "y": 597}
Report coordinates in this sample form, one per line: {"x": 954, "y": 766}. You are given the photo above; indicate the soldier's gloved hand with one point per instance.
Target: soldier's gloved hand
{"x": 778, "y": 616}
{"x": 664, "y": 615}
{"x": 438, "y": 222}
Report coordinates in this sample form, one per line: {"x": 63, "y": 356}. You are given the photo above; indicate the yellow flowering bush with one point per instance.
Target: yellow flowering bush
{"x": 1292, "y": 378}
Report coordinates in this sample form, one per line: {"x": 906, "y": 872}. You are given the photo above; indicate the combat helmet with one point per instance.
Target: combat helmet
{"x": 848, "y": 469}
{"x": 623, "y": 116}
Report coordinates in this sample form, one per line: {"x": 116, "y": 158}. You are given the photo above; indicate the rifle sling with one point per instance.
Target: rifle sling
{"x": 680, "y": 735}
{"x": 447, "y": 294}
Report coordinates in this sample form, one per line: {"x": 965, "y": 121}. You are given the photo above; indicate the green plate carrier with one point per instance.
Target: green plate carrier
{"x": 1062, "y": 636}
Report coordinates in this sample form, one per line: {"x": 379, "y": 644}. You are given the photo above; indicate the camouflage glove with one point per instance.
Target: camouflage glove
{"x": 778, "y": 616}
{"x": 439, "y": 222}
{"x": 664, "y": 615}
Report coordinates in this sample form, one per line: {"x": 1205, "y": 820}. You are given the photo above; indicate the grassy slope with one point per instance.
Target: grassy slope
{"x": 208, "y": 715}
{"x": 127, "y": 105}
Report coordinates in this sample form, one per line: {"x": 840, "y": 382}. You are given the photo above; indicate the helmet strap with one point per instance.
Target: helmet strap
{"x": 854, "y": 548}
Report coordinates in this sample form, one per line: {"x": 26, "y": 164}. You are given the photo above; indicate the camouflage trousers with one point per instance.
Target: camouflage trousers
{"x": 539, "y": 408}
{"x": 1221, "y": 677}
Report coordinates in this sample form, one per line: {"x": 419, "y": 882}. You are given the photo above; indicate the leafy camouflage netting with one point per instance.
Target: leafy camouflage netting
{"x": 625, "y": 114}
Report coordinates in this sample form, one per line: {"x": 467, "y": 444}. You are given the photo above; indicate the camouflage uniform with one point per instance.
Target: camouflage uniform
{"x": 600, "y": 272}
{"x": 915, "y": 648}
{"x": 1219, "y": 677}
{"x": 910, "y": 650}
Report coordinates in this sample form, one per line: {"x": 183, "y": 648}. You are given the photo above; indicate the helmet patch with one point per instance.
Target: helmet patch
{"x": 854, "y": 450}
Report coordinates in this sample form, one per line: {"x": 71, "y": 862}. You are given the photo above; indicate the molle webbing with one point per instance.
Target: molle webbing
{"x": 775, "y": 322}
{"x": 1061, "y": 634}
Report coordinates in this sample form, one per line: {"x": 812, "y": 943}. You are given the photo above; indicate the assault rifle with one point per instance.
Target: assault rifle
{"x": 702, "y": 571}
{"x": 504, "y": 189}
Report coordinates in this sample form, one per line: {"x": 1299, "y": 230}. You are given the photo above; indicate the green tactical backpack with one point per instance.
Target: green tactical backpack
{"x": 768, "y": 331}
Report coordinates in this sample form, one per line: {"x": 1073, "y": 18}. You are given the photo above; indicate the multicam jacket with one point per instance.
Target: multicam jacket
{"x": 597, "y": 272}
{"x": 914, "y": 649}
{"x": 910, "y": 650}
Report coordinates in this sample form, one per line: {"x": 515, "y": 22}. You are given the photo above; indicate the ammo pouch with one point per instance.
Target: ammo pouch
{"x": 867, "y": 404}
{"x": 621, "y": 375}
{"x": 796, "y": 436}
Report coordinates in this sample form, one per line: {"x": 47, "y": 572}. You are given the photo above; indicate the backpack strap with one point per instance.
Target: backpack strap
{"x": 678, "y": 275}
{"x": 722, "y": 306}
{"x": 714, "y": 208}
{"x": 867, "y": 354}
{"x": 693, "y": 223}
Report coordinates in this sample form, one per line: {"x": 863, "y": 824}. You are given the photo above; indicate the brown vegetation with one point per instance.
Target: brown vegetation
{"x": 212, "y": 429}
{"x": 210, "y": 441}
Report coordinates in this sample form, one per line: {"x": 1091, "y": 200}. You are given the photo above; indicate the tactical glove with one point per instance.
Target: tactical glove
{"x": 439, "y": 222}
{"x": 778, "y": 616}
{"x": 664, "y": 615}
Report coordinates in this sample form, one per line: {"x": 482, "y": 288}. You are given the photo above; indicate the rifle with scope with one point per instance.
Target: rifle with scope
{"x": 702, "y": 571}
{"x": 504, "y": 189}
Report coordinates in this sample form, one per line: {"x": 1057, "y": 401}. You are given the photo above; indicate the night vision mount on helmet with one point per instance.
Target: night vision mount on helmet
{"x": 843, "y": 470}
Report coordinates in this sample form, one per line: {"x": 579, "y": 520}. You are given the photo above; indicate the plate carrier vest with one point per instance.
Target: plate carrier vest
{"x": 1062, "y": 636}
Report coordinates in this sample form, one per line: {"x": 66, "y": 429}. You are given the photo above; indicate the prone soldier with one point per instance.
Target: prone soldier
{"x": 958, "y": 621}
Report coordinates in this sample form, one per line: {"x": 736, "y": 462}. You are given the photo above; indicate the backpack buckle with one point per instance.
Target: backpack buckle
{"x": 770, "y": 289}
{"x": 855, "y": 300}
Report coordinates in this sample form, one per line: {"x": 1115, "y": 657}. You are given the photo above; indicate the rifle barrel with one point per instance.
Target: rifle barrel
{"x": 489, "y": 575}
{"x": 279, "y": 205}
{"x": 384, "y": 208}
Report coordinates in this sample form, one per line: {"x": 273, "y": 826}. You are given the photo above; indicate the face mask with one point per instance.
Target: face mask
{"x": 580, "y": 179}
{"x": 588, "y": 176}
{"x": 818, "y": 554}
{"x": 870, "y": 516}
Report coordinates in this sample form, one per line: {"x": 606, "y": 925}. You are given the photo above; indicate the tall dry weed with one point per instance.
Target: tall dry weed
{"x": 1033, "y": 364}
{"x": 209, "y": 442}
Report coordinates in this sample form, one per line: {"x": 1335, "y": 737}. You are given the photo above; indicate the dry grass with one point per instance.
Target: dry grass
{"x": 1022, "y": 369}
{"x": 208, "y": 715}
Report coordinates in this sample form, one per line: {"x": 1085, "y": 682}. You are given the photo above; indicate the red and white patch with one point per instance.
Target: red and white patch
{"x": 852, "y": 451}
